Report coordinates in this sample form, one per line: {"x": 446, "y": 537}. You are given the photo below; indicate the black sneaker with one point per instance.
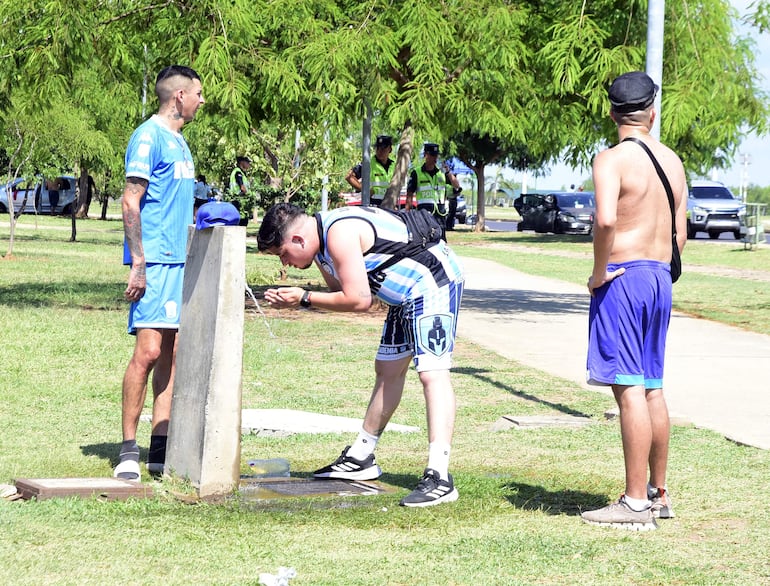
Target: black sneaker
{"x": 431, "y": 490}
{"x": 348, "y": 468}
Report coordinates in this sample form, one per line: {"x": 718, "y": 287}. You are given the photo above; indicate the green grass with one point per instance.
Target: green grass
{"x": 721, "y": 280}
{"x": 64, "y": 351}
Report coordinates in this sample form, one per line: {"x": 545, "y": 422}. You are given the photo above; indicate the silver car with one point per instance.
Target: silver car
{"x": 712, "y": 208}
{"x": 38, "y": 195}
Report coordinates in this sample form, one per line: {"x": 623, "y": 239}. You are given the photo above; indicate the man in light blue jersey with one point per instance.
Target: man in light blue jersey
{"x": 363, "y": 253}
{"x": 157, "y": 208}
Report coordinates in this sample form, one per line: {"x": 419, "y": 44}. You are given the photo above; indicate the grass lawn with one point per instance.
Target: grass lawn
{"x": 64, "y": 351}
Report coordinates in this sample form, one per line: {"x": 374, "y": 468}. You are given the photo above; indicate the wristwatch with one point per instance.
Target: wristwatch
{"x": 305, "y": 301}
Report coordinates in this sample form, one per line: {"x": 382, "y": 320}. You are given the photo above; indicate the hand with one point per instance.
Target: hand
{"x": 284, "y": 297}
{"x": 594, "y": 284}
{"x": 137, "y": 284}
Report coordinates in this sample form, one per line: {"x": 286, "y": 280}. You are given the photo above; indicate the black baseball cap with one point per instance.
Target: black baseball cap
{"x": 632, "y": 92}
{"x": 383, "y": 140}
{"x": 242, "y": 160}
{"x": 431, "y": 148}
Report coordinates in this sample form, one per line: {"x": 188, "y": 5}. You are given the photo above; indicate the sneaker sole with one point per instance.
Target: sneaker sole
{"x": 635, "y": 526}
{"x": 447, "y": 498}
{"x": 367, "y": 474}
{"x": 663, "y": 513}
{"x": 128, "y": 470}
{"x": 155, "y": 468}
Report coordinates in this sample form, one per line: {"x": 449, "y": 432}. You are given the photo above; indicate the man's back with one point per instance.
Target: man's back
{"x": 628, "y": 188}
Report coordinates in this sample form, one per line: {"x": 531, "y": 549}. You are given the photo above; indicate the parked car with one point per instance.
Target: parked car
{"x": 354, "y": 199}
{"x": 712, "y": 208}
{"x": 559, "y": 212}
{"x": 461, "y": 214}
{"x": 37, "y": 192}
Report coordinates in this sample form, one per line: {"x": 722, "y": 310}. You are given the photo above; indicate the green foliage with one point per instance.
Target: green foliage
{"x": 756, "y": 194}
{"x": 529, "y": 73}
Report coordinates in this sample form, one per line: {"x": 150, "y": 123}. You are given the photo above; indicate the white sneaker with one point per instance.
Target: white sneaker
{"x": 128, "y": 470}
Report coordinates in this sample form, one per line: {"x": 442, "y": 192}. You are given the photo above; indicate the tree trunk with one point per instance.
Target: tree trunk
{"x": 404, "y": 157}
{"x": 12, "y": 220}
{"x": 84, "y": 194}
{"x": 480, "y": 225}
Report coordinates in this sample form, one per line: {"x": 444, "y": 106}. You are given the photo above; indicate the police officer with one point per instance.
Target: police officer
{"x": 429, "y": 188}
{"x": 381, "y": 170}
{"x": 239, "y": 186}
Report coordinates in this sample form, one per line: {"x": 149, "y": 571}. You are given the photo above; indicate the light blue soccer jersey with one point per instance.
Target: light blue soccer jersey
{"x": 410, "y": 277}
{"x": 162, "y": 157}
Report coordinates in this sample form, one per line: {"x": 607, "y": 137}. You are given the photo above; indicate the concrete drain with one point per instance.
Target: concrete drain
{"x": 272, "y": 488}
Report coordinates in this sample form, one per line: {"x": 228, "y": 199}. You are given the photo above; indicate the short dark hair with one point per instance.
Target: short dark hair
{"x": 275, "y": 223}
{"x": 164, "y": 88}
{"x": 173, "y": 70}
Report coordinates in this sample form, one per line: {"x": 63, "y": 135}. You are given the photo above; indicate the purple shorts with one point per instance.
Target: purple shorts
{"x": 627, "y": 326}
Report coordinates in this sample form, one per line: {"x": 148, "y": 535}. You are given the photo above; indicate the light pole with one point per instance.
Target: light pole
{"x": 655, "y": 12}
{"x": 745, "y": 161}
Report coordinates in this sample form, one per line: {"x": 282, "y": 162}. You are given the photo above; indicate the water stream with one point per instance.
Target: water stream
{"x": 259, "y": 311}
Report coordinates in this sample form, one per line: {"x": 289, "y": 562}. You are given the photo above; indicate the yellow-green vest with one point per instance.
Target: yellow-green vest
{"x": 235, "y": 189}
{"x": 380, "y": 179}
{"x": 430, "y": 189}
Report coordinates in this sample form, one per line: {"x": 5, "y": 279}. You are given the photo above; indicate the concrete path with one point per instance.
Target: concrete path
{"x": 715, "y": 374}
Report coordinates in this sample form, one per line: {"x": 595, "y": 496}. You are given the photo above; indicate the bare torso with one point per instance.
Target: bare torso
{"x": 630, "y": 194}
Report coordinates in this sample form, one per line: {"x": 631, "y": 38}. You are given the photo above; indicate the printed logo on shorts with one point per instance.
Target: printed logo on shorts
{"x": 433, "y": 333}
{"x": 171, "y": 310}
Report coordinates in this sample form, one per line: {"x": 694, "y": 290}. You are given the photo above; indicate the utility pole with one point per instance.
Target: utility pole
{"x": 366, "y": 136}
{"x": 655, "y": 12}
{"x": 745, "y": 161}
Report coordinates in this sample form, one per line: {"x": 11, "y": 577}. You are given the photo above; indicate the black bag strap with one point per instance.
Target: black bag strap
{"x": 663, "y": 179}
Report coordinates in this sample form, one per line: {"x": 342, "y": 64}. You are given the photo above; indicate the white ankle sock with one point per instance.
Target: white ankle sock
{"x": 438, "y": 458}
{"x": 364, "y": 445}
{"x": 637, "y": 504}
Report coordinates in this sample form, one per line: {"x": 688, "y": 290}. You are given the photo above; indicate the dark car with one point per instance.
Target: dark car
{"x": 354, "y": 199}
{"x": 560, "y": 212}
{"x": 461, "y": 214}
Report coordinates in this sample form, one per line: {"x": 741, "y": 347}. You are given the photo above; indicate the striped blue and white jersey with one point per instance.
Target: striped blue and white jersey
{"x": 409, "y": 278}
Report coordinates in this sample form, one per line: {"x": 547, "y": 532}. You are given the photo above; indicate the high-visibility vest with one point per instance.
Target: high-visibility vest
{"x": 380, "y": 179}
{"x": 235, "y": 189}
{"x": 431, "y": 189}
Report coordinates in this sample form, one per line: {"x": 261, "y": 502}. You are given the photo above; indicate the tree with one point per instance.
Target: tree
{"x": 532, "y": 73}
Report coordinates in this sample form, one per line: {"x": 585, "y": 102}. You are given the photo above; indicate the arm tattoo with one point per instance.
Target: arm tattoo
{"x": 132, "y": 220}
{"x": 132, "y": 227}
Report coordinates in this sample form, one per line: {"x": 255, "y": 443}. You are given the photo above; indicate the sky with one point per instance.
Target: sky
{"x": 756, "y": 150}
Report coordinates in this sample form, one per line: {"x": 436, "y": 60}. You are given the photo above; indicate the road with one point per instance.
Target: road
{"x": 510, "y": 226}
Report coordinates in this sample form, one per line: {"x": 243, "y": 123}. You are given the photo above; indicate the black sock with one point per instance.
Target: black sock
{"x": 129, "y": 450}
{"x": 157, "y": 453}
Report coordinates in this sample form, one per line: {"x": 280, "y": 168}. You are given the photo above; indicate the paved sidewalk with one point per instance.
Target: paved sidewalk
{"x": 715, "y": 374}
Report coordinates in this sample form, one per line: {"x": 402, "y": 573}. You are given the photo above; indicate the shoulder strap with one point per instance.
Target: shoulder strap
{"x": 662, "y": 176}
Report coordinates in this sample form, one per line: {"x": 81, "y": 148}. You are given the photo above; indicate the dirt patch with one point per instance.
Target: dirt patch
{"x": 376, "y": 313}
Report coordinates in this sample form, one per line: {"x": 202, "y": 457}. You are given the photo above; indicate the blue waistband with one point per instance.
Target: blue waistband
{"x": 639, "y": 264}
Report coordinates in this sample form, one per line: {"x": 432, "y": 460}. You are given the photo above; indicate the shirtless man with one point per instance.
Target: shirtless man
{"x": 631, "y": 278}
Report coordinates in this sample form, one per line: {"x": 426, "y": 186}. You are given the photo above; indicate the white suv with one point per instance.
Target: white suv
{"x": 38, "y": 201}
{"x": 712, "y": 208}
